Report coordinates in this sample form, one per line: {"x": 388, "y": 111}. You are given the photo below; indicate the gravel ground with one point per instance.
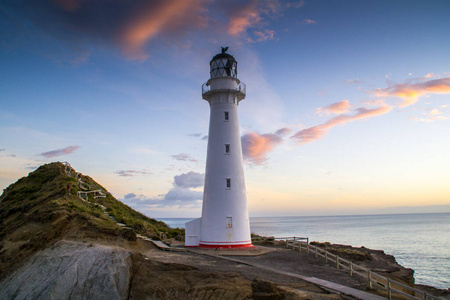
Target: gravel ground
{"x": 283, "y": 260}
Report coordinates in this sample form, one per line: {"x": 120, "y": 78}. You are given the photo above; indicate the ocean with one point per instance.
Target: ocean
{"x": 417, "y": 241}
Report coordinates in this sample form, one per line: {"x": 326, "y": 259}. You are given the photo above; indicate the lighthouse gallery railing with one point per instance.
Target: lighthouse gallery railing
{"x": 241, "y": 87}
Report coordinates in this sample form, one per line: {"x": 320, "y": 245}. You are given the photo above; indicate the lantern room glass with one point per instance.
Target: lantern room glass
{"x": 223, "y": 67}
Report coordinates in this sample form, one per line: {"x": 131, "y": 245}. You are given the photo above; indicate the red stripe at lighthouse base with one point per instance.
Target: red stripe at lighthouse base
{"x": 227, "y": 246}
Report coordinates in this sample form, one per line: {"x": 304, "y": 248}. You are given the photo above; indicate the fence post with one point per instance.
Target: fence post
{"x": 369, "y": 278}
{"x": 337, "y": 262}
{"x": 351, "y": 269}
{"x": 425, "y": 296}
{"x": 307, "y": 245}
{"x": 315, "y": 247}
{"x": 389, "y": 288}
{"x": 326, "y": 256}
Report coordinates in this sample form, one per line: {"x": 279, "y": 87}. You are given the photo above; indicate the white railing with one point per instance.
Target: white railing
{"x": 374, "y": 280}
{"x": 241, "y": 88}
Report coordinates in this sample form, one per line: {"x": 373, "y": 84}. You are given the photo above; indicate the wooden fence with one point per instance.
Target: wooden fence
{"x": 374, "y": 280}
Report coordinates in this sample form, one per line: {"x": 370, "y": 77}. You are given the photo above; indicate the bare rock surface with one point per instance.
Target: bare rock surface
{"x": 71, "y": 270}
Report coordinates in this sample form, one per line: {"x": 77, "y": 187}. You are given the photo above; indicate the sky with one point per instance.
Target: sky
{"x": 347, "y": 108}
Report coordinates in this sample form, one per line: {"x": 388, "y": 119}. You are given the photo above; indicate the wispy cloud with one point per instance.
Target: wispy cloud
{"x": 129, "y": 173}
{"x": 432, "y": 115}
{"x": 183, "y": 157}
{"x": 59, "y": 152}
{"x": 410, "y": 92}
{"x": 309, "y": 21}
{"x": 252, "y": 14}
{"x": 255, "y": 146}
{"x": 335, "y": 108}
{"x": 353, "y": 81}
{"x": 316, "y": 132}
{"x": 264, "y": 35}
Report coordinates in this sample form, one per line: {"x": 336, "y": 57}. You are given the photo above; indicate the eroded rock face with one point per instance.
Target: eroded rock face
{"x": 71, "y": 270}
{"x": 75, "y": 270}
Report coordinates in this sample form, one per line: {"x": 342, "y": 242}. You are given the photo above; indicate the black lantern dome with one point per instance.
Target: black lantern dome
{"x": 223, "y": 64}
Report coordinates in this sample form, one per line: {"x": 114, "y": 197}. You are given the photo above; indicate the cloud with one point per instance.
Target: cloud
{"x": 353, "y": 81}
{"x": 129, "y": 173}
{"x": 428, "y": 119}
{"x": 316, "y": 132}
{"x": 156, "y": 18}
{"x": 244, "y": 17}
{"x": 189, "y": 180}
{"x": 433, "y": 115}
{"x": 309, "y": 21}
{"x": 435, "y": 111}
{"x": 410, "y": 92}
{"x": 183, "y": 157}
{"x": 335, "y": 108}
{"x": 59, "y": 152}
{"x": 180, "y": 195}
{"x": 430, "y": 75}
{"x": 253, "y": 14}
{"x": 264, "y": 35}
{"x": 129, "y": 25}
{"x": 195, "y": 134}
{"x": 255, "y": 146}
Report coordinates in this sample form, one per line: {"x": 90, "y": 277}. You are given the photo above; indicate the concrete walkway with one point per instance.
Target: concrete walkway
{"x": 328, "y": 285}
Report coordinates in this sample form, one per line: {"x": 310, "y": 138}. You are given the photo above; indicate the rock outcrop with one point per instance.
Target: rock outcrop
{"x": 71, "y": 270}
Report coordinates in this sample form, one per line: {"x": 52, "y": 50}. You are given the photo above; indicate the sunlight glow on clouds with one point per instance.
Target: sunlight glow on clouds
{"x": 316, "y": 132}
{"x": 410, "y": 92}
{"x": 335, "y": 108}
{"x": 255, "y": 146}
{"x": 160, "y": 17}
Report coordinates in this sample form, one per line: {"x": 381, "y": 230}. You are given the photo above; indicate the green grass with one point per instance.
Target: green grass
{"x": 44, "y": 192}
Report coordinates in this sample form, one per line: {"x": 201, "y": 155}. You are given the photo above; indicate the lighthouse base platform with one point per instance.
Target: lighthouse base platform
{"x": 247, "y": 251}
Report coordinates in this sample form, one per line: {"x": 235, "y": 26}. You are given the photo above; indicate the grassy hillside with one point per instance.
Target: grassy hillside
{"x": 36, "y": 211}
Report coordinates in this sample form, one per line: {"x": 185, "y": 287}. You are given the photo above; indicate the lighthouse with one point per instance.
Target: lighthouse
{"x": 224, "y": 222}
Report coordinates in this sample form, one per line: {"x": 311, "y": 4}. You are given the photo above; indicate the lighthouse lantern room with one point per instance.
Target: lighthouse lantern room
{"x": 224, "y": 222}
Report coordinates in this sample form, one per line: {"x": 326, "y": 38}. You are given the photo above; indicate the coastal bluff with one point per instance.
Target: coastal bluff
{"x": 57, "y": 245}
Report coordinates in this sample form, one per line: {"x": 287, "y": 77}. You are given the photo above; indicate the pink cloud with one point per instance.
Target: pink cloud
{"x": 255, "y": 146}
{"x": 241, "y": 18}
{"x": 155, "y": 18}
{"x": 410, "y": 92}
{"x": 59, "y": 152}
{"x": 335, "y": 108}
{"x": 316, "y": 132}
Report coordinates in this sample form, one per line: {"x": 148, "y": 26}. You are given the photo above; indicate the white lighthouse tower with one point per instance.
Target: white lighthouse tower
{"x": 224, "y": 222}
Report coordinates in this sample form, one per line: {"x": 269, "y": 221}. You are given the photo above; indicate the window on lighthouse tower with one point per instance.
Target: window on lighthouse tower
{"x": 226, "y": 116}
{"x": 227, "y": 148}
{"x": 228, "y": 183}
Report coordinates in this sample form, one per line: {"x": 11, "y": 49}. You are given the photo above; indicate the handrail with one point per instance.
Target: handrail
{"x": 374, "y": 280}
{"x": 241, "y": 88}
